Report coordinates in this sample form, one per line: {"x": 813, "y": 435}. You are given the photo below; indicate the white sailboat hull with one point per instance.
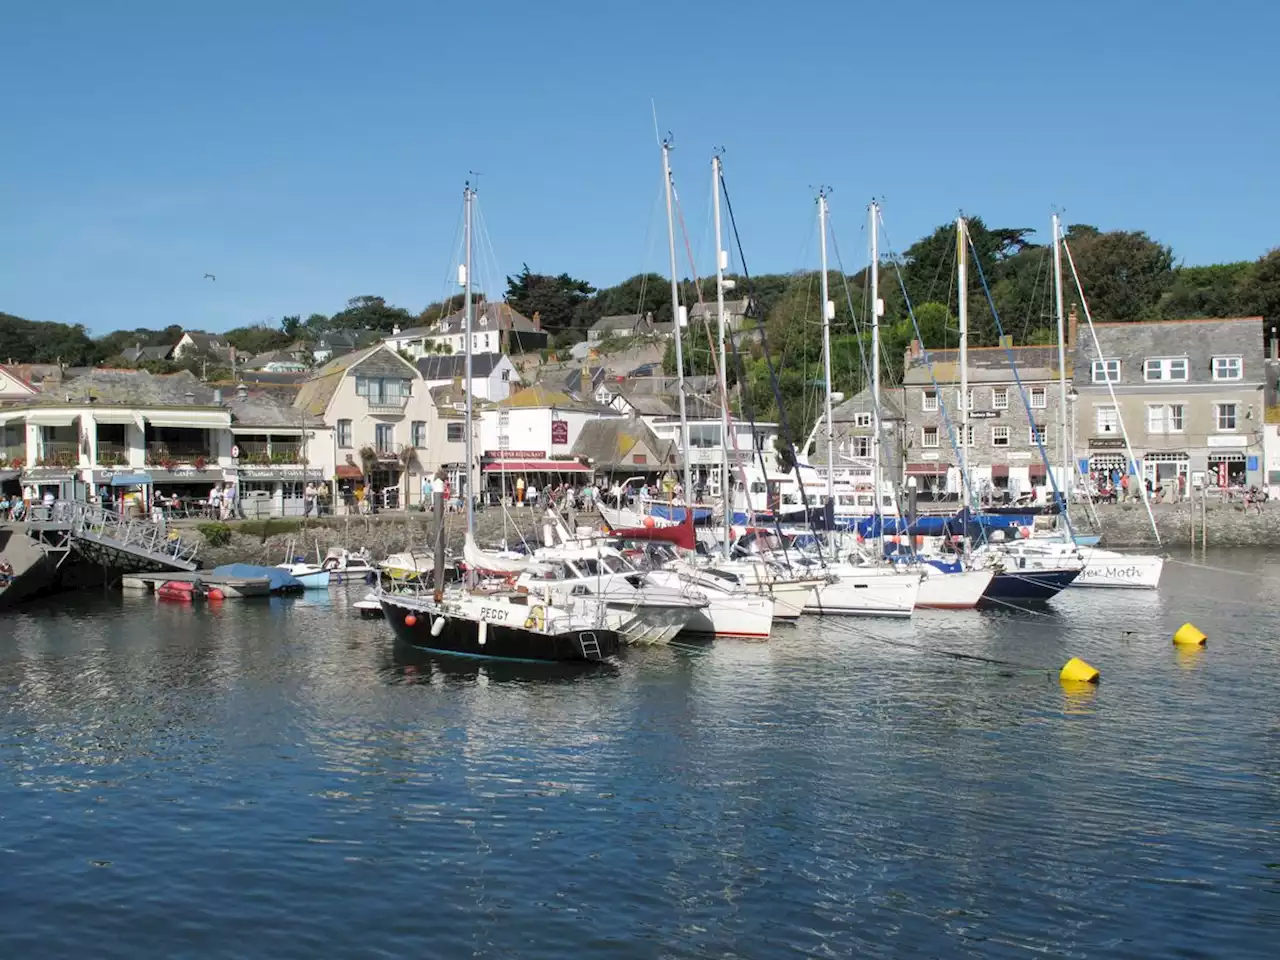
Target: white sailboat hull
{"x": 1106, "y": 568}
{"x": 953, "y": 591}
{"x": 867, "y": 594}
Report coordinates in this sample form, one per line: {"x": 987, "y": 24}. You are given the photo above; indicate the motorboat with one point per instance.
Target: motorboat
{"x": 344, "y": 565}
{"x": 659, "y": 613}
{"x": 1098, "y": 567}
{"x": 312, "y": 576}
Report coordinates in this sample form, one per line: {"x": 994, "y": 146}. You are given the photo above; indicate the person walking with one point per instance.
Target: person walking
{"x": 308, "y": 499}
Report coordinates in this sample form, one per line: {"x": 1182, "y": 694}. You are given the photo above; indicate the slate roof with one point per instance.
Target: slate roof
{"x": 986, "y": 365}
{"x": 136, "y": 354}
{"x": 289, "y": 378}
{"x": 608, "y": 443}
{"x": 262, "y": 408}
{"x": 617, "y": 323}
{"x": 1198, "y": 340}
{"x": 383, "y": 363}
{"x": 860, "y": 402}
{"x": 572, "y": 382}
{"x": 130, "y": 388}
{"x": 449, "y": 366}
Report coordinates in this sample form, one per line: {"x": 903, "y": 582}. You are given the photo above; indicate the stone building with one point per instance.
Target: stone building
{"x": 1189, "y": 394}
{"x": 1015, "y": 422}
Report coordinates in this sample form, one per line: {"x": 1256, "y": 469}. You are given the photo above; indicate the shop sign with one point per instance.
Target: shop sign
{"x": 984, "y": 414}
{"x": 1230, "y": 440}
{"x": 1106, "y": 443}
{"x": 559, "y": 432}
{"x": 515, "y": 454}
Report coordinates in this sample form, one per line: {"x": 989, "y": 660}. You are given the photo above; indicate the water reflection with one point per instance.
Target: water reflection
{"x": 848, "y": 788}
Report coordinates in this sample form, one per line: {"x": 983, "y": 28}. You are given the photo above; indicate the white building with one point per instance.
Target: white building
{"x": 492, "y": 374}
{"x": 532, "y": 433}
{"x": 495, "y": 328}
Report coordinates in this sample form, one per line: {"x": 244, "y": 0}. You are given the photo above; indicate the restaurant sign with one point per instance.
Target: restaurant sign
{"x": 515, "y": 454}
{"x": 559, "y": 432}
{"x": 1106, "y": 443}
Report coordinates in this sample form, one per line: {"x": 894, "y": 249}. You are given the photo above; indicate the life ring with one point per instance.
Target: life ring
{"x": 537, "y": 619}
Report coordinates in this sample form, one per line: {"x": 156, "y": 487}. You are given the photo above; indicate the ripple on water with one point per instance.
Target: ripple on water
{"x": 280, "y": 778}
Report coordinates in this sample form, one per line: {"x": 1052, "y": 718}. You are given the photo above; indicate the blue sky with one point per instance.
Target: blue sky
{"x": 309, "y": 152}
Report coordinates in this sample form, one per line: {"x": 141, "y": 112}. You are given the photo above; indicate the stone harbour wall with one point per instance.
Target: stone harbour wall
{"x": 1230, "y": 524}
{"x": 381, "y": 535}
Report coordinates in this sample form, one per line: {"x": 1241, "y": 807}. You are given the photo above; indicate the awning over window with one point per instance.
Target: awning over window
{"x": 1227, "y": 457}
{"x": 999, "y": 470}
{"x": 130, "y": 479}
{"x": 1037, "y": 470}
{"x": 117, "y": 417}
{"x": 348, "y": 471}
{"x": 9, "y": 475}
{"x": 190, "y": 419}
{"x": 926, "y": 469}
{"x": 536, "y": 466}
{"x": 51, "y": 418}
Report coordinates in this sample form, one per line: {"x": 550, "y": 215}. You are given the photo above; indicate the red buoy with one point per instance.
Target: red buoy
{"x": 410, "y": 620}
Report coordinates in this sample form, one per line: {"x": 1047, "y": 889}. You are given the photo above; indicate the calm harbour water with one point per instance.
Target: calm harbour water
{"x": 278, "y": 780}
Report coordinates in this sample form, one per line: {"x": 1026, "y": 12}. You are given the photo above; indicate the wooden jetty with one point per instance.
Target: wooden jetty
{"x": 232, "y": 587}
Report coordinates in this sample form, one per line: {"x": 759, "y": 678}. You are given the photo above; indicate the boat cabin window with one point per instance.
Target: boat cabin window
{"x": 587, "y": 567}
{"x": 758, "y": 487}
{"x": 615, "y": 565}
{"x": 724, "y": 575}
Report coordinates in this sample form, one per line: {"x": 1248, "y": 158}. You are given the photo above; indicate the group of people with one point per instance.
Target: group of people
{"x": 17, "y": 507}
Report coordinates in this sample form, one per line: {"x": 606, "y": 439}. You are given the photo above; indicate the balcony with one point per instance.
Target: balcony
{"x": 113, "y": 454}
{"x": 12, "y": 455}
{"x": 262, "y": 453}
{"x": 170, "y": 455}
{"x": 387, "y": 403}
{"x": 59, "y": 453}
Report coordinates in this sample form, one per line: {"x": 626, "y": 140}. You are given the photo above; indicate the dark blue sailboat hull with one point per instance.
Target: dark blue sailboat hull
{"x": 1029, "y": 584}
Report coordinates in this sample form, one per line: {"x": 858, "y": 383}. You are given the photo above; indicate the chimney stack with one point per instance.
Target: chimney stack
{"x": 585, "y": 381}
{"x": 242, "y": 391}
{"x": 1073, "y": 322}
{"x": 217, "y": 396}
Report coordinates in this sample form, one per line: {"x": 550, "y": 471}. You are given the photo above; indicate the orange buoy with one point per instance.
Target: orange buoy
{"x": 410, "y": 620}
{"x": 649, "y": 522}
{"x": 215, "y": 593}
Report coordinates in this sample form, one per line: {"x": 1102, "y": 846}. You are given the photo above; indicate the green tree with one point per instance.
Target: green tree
{"x": 555, "y": 298}
{"x": 370, "y": 313}
{"x": 34, "y": 341}
{"x": 1124, "y": 273}
{"x": 257, "y": 338}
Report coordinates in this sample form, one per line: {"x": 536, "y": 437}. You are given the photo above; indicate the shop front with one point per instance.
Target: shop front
{"x": 63, "y": 484}
{"x": 1228, "y": 470}
{"x": 1167, "y": 474}
{"x": 279, "y": 491}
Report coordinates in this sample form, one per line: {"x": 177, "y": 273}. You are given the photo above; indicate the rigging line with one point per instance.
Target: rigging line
{"x": 1088, "y": 315}
{"x": 723, "y": 382}
{"x": 1017, "y": 379}
{"x": 928, "y": 361}
{"x": 773, "y": 375}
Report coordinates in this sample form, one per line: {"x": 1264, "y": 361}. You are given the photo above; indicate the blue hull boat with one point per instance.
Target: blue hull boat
{"x": 1029, "y": 584}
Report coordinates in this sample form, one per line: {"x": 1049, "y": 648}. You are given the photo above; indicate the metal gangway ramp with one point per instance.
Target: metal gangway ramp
{"x": 106, "y": 538}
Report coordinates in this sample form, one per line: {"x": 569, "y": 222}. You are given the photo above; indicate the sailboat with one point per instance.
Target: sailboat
{"x": 1016, "y": 577}
{"x": 1099, "y": 567}
{"x": 502, "y": 624}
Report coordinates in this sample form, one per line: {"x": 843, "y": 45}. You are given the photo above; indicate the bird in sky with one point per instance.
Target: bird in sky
{"x": 210, "y": 276}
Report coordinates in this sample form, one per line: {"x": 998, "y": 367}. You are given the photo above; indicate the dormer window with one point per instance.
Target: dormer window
{"x": 1106, "y": 371}
{"x": 1228, "y": 368}
{"x": 1165, "y": 369}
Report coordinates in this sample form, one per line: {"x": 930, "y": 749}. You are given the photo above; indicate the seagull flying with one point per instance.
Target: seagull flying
{"x": 210, "y": 276}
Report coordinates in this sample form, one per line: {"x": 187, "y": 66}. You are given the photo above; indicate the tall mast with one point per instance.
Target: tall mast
{"x": 827, "y": 311}
{"x": 877, "y": 466}
{"x": 678, "y": 326}
{"x": 722, "y": 259}
{"x": 962, "y": 291}
{"x": 468, "y": 197}
{"x": 1064, "y": 443}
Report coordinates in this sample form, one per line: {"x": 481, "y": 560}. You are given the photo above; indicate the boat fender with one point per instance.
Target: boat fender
{"x": 410, "y": 620}
{"x": 483, "y": 632}
{"x": 215, "y": 593}
{"x": 537, "y": 619}
{"x": 437, "y": 627}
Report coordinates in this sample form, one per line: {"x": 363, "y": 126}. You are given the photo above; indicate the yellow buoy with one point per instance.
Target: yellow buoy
{"x": 1077, "y": 671}
{"x": 1189, "y": 636}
